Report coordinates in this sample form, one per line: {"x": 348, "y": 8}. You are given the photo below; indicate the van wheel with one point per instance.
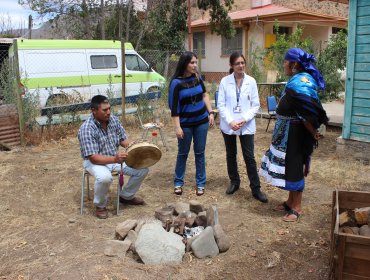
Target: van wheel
{"x": 57, "y": 99}
{"x": 155, "y": 90}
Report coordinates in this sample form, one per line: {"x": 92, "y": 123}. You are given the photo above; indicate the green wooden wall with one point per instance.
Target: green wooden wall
{"x": 356, "y": 124}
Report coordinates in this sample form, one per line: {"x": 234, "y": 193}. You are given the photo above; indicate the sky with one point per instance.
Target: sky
{"x": 18, "y": 14}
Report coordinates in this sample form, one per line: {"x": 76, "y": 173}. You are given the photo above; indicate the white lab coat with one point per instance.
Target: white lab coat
{"x": 248, "y": 101}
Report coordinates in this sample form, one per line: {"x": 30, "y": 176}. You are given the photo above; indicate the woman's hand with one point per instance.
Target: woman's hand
{"x": 234, "y": 125}
{"x": 211, "y": 119}
{"x": 179, "y": 132}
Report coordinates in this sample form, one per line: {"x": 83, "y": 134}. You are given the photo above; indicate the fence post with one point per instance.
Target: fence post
{"x": 17, "y": 92}
{"x": 123, "y": 70}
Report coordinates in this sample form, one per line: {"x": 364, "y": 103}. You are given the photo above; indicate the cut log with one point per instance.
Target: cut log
{"x": 362, "y": 215}
{"x": 346, "y": 218}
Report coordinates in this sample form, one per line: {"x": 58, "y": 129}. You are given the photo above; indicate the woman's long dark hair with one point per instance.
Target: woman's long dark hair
{"x": 184, "y": 60}
{"x": 233, "y": 57}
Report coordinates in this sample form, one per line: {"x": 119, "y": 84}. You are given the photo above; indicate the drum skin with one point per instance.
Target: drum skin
{"x": 142, "y": 155}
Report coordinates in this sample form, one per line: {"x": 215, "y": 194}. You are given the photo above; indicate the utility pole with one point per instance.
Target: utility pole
{"x": 123, "y": 66}
{"x": 189, "y": 26}
{"x": 29, "y": 27}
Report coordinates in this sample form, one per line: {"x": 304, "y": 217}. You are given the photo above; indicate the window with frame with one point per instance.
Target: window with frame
{"x": 199, "y": 37}
{"x": 103, "y": 61}
{"x": 135, "y": 63}
{"x": 336, "y": 30}
{"x": 283, "y": 30}
{"x": 228, "y": 46}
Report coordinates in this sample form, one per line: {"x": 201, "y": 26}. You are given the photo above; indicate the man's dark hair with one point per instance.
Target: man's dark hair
{"x": 97, "y": 100}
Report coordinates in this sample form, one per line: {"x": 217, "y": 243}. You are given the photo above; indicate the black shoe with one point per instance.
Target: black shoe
{"x": 260, "y": 196}
{"x": 232, "y": 188}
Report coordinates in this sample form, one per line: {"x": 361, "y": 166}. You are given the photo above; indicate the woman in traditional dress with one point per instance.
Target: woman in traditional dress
{"x": 299, "y": 115}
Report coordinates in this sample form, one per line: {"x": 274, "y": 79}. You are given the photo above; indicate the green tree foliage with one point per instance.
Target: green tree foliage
{"x": 331, "y": 61}
{"x": 220, "y": 22}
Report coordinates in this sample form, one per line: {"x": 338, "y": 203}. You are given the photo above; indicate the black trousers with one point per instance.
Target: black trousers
{"x": 247, "y": 144}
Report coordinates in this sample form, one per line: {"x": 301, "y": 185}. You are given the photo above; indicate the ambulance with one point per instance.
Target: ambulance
{"x": 76, "y": 70}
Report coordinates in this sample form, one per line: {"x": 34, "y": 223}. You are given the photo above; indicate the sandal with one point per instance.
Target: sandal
{"x": 283, "y": 207}
{"x": 199, "y": 192}
{"x": 293, "y": 213}
{"x": 178, "y": 190}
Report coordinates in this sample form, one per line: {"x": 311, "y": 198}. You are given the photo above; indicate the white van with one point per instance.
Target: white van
{"x": 77, "y": 70}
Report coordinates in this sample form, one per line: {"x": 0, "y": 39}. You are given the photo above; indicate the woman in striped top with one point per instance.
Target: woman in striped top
{"x": 191, "y": 113}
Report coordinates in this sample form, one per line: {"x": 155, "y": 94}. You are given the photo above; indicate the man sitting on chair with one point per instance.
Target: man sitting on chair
{"x": 100, "y": 137}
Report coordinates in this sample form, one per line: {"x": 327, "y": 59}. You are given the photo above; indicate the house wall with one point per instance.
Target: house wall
{"x": 356, "y": 125}
{"x": 320, "y": 34}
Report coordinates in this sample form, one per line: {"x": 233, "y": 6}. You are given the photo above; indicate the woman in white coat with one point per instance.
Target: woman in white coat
{"x": 238, "y": 104}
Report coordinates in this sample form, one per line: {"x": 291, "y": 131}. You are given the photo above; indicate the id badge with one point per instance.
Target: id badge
{"x": 237, "y": 109}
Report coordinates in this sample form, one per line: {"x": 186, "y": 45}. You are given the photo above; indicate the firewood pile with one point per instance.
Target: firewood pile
{"x": 356, "y": 221}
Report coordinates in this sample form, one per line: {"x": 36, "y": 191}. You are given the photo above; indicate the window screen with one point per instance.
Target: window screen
{"x": 103, "y": 61}
{"x": 233, "y": 44}
{"x": 199, "y": 37}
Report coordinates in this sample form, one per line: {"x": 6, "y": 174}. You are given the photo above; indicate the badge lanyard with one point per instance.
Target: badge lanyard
{"x": 238, "y": 90}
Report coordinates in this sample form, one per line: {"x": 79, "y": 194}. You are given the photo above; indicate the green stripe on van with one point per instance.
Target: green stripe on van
{"x": 25, "y": 44}
{"x": 81, "y": 81}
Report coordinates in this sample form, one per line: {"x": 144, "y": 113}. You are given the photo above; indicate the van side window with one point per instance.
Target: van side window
{"x": 135, "y": 63}
{"x": 103, "y": 61}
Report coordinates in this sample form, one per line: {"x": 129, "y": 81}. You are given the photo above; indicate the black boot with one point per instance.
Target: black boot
{"x": 257, "y": 194}
{"x": 232, "y": 188}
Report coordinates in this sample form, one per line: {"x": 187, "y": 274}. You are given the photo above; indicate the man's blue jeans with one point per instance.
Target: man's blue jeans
{"x": 199, "y": 135}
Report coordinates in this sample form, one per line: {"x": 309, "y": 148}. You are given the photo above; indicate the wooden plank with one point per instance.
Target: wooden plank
{"x": 362, "y": 48}
{"x": 347, "y": 276}
{"x": 360, "y": 137}
{"x": 361, "y": 102}
{"x": 361, "y": 76}
{"x": 13, "y": 143}
{"x": 364, "y": 20}
{"x": 362, "y": 58}
{"x": 362, "y": 129}
{"x": 361, "y": 39}
{"x": 363, "y": 3}
{"x": 4, "y": 133}
{"x": 359, "y": 240}
{"x": 353, "y": 199}
{"x": 363, "y": 30}
{"x": 12, "y": 135}
{"x": 356, "y": 266}
{"x": 361, "y": 93}
{"x": 361, "y": 85}
{"x": 358, "y": 251}
{"x": 340, "y": 253}
{"x": 365, "y": 11}
{"x": 13, "y": 126}
{"x": 362, "y": 67}
{"x": 361, "y": 112}
{"x": 361, "y": 121}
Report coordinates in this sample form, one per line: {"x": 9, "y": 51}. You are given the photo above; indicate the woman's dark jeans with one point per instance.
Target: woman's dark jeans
{"x": 247, "y": 144}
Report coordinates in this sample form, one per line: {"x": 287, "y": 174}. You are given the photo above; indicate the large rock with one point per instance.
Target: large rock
{"x": 116, "y": 248}
{"x": 164, "y": 214}
{"x": 132, "y": 236}
{"x": 189, "y": 218}
{"x": 205, "y": 244}
{"x": 201, "y": 219}
{"x": 195, "y": 206}
{"x": 212, "y": 216}
{"x": 139, "y": 225}
{"x": 154, "y": 245}
{"x": 222, "y": 240}
{"x": 123, "y": 228}
{"x": 181, "y": 207}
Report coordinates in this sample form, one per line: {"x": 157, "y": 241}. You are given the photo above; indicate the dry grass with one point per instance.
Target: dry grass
{"x": 40, "y": 187}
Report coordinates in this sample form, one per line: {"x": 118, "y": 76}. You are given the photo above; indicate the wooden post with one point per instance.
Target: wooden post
{"x": 29, "y": 27}
{"x": 123, "y": 67}
{"x": 17, "y": 92}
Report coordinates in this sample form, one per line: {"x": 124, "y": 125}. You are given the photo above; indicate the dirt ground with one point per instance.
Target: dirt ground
{"x": 44, "y": 237}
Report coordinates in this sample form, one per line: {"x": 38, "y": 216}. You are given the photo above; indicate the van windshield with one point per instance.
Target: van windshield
{"x": 135, "y": 63}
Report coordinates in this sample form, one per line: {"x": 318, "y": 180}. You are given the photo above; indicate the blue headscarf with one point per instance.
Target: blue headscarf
{"x": 306, "y": 60}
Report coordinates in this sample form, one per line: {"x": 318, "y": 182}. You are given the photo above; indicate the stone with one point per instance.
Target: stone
{"x": 123, "y": 228}
{"x": 181, "y": 207}
{"x": 189, "y": 218}
{"x": 201, "y": 219}
{"x": 132, "y": 236}
{"x": 139, "y": 225}
{"x": 154, "y": 245}
{"x": 195, "y": 206}
{"x": 205, "y": 244}
{"x": 116, "y": 248}
{"x": 164, "y": 214}
{"x": 212, "y": 216}
{"x": 222, "y": 240}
